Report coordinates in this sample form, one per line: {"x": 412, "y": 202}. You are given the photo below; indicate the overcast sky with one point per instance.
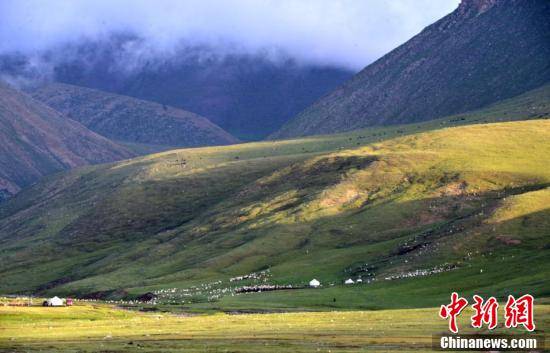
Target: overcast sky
{"x": 346, "y": 33}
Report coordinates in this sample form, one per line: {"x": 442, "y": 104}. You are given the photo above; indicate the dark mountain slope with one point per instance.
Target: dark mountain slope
{"x": 129, "y": 119}
{"x": 36, "y": 140}
{"x": 250, "y": 96}
{"x": 483, "y": 52}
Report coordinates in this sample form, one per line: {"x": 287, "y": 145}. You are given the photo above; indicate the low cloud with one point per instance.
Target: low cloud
{"x": 345, "y": 33}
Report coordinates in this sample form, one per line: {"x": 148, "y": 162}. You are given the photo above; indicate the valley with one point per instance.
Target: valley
{"x": 370, "y": 204}
{"x": 274, "y": 176}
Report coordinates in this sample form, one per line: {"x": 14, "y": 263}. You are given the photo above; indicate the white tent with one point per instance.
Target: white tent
{"x": 349, "y": 281}
{"x": 359, "y": 280}
{"x": 314, "y": 283}
{"x": 55, "y": 301}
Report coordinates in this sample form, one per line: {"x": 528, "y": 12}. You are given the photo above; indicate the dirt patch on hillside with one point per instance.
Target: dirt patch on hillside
{"x": 454, "y": 189}
{"x": 341, "y": 198}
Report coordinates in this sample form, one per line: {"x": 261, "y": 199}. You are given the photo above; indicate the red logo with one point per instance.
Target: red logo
{"x": 520, "y": 311}
{"x": 452, "y": 311}
{"x": 485, "y": 312}
{"x": 517, "y": 312}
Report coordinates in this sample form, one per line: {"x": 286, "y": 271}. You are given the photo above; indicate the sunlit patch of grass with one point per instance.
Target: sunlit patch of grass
{"x": 522, "y": 205}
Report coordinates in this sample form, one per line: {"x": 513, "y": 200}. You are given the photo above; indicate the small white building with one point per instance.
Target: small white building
{"x": 349, "y": 281}
{"x": 55, "y": 301}
{"x": 314, "y": 283}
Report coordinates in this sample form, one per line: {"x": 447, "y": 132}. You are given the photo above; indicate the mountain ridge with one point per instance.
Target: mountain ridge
{"x": 482, "y": 52}
{"x": 129, "y": 119}
{"x": 36, "y": 140}
{"x": 247, "y": 95}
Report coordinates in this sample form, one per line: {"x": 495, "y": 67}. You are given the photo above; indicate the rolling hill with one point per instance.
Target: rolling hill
{"x": 250, "y": 96}
{"x": 132, "y": 120}
{"x": 481, "y": 53}
{"x": 412, "y": 210}
{"x": 36, "y": 140}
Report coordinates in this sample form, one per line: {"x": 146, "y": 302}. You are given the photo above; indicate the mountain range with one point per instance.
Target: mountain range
{"x": 379, "y": 203}
{"x": 483, "y": 52}
{"x": 250, "y": 96}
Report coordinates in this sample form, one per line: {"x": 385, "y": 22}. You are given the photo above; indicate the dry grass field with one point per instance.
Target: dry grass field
{"x": 104, "y": 328}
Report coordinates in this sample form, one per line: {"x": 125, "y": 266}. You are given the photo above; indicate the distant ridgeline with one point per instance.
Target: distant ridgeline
{"x": 127, "y": 119}
{"x": 248, "y": 96}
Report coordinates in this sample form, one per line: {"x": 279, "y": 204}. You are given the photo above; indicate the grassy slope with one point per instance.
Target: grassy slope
{"x": 132, "y": 120}
{"x": 87, "y": 328}
{"x": 371, "y": 204}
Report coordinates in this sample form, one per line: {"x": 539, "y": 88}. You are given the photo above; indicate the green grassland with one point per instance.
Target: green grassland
{"x": 415, "y": 211}
{"x": 98, "y": 327}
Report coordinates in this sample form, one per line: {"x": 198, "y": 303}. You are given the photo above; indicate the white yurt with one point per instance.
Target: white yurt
{"x": 349, "y": 281}
{"x": 55, "y": 301}
{"x": 314, "y": 283}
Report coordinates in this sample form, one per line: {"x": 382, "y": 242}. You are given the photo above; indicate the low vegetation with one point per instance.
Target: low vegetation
{"x": 99, "y": 327}
{"x": 411, "y": 211}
